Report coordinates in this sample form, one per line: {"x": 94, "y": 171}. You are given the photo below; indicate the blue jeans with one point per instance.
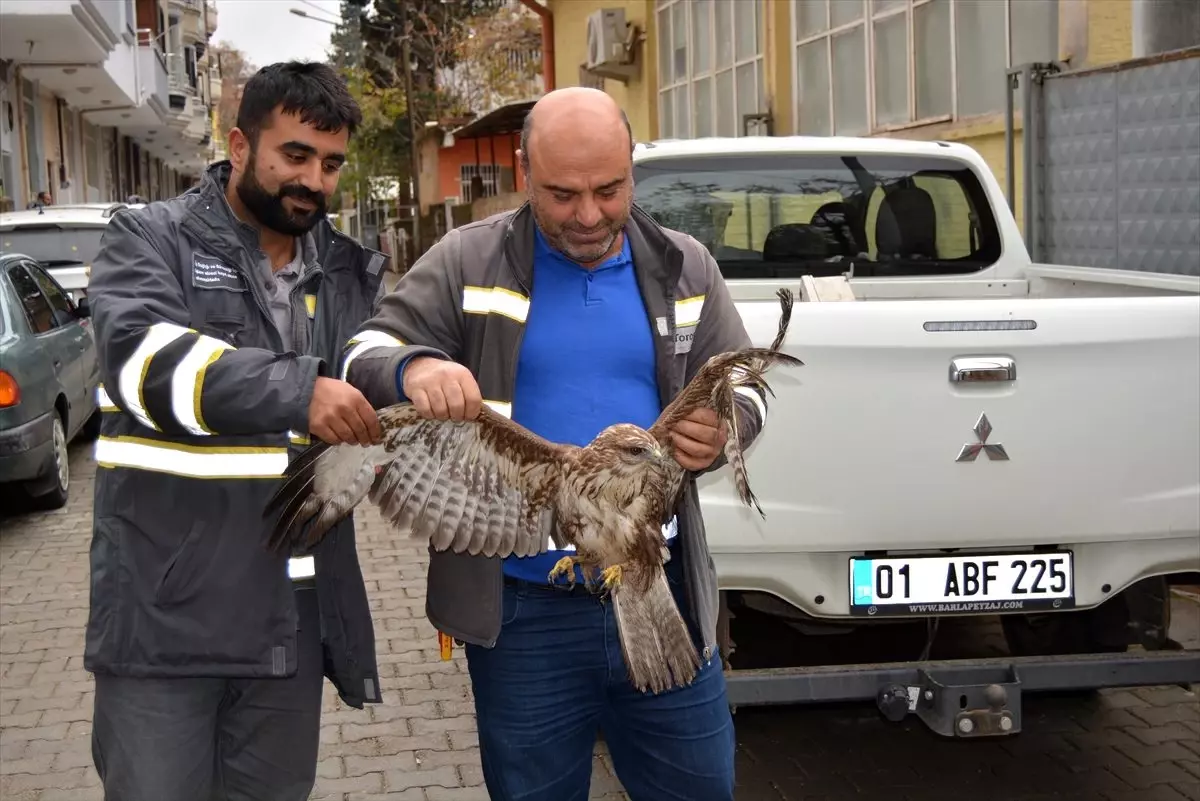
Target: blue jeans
{"x": 556, "y": 677}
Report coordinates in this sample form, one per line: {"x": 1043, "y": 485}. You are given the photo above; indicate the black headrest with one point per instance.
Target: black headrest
{"x": 907, "y": 224}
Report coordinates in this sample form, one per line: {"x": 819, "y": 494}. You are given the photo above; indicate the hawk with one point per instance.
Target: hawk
{"x": 489, "y": 486}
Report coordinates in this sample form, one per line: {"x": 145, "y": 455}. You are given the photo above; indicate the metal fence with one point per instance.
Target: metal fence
{"x": 1112, "y": 162}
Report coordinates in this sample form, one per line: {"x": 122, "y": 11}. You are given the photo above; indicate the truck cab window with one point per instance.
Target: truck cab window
{"x": 783, "y": 216}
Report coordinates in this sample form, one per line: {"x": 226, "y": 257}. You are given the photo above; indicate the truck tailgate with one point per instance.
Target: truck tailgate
{"x": 861, "y": 449}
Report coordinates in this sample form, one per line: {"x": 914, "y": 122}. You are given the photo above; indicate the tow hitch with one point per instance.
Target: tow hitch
{"x": 957, "y": 703}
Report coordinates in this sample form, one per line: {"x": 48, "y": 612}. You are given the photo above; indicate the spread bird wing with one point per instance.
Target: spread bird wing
{"x": 484, "y": 486}
{"x": 714, "y": 387}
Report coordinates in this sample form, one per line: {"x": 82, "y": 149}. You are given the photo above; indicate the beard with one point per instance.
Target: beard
{"x": 269, "y": 210}
{"x": 582, "y": 245}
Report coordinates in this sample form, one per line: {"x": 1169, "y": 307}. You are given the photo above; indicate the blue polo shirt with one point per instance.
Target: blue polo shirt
{"x": 586, "y": 361}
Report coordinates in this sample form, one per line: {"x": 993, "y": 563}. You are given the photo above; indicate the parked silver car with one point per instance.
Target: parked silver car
{"x": 49, "y": 376}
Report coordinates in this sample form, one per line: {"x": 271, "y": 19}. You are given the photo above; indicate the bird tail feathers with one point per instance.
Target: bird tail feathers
{"x": 658, "y": 649}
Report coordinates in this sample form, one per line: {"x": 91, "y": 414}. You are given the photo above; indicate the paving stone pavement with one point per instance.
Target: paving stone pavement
{"x": 421, "y": 744}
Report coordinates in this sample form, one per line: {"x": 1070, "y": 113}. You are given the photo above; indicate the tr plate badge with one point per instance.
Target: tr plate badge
{"x": 994, "y": 450}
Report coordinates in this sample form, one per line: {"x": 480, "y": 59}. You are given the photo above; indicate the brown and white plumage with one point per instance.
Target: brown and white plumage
{"x": 489, "y": 486}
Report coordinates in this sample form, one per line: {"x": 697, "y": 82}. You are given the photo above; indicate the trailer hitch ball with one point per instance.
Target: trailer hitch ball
{"x": 892, "y": 701}
{"x": 995, "y": 695}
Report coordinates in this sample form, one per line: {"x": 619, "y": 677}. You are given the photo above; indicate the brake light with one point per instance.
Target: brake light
{"x": 10, "y": 393}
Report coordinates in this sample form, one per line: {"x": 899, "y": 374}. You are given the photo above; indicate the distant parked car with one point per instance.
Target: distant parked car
{"x": 63, "y": 239}
{"x": 49, "y": 377}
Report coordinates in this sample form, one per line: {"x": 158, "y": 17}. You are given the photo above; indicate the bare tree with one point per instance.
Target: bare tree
{"x": 497, "y": 60}
{"x": 236, "y": 69}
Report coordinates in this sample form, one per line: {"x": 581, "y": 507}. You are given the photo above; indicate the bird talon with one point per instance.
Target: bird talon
{"x": 611, "y": 576}
{"x": 566, "y": 565}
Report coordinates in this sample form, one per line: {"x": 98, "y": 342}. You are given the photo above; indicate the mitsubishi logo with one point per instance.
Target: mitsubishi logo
{"x": 994, "y": 451}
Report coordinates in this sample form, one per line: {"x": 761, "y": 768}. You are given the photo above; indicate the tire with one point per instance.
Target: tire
{"x": 91, "y": 429}
{"x": 59, "y": 475}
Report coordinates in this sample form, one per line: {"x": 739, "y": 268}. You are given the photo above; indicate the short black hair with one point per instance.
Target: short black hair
{"x": 527, "y": 131}
{"x": 310, "y": 88}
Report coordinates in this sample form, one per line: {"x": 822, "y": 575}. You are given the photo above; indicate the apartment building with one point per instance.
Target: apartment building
{"x": 101, "y": 100}
{"x": 923, "y": 69}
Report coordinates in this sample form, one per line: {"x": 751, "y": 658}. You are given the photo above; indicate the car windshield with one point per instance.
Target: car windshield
{"x": 54, "y": 245}
{"x": 784, "y": 216}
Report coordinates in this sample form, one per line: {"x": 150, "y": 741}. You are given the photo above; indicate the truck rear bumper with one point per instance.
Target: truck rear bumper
{"x": 961, "y": 698}
{"x": 818, "y": 583}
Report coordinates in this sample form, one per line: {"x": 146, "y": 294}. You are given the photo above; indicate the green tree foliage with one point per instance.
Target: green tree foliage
{"x": 347, "y": 40}
{"x": 380, "y": 145}
{"x": 462, "y": 61}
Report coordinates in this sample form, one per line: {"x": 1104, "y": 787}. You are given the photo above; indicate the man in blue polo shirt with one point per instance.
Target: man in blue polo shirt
{"x": 575, "y": 312}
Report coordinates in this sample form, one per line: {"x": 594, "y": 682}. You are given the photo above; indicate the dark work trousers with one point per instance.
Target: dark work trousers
{"x": 208, "y": 739}
{"x": 557, "y": 675}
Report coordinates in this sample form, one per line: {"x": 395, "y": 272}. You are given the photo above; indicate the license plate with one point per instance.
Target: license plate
{"x": 974, "y": 584}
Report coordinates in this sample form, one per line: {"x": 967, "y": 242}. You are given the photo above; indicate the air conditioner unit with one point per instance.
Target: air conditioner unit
{"x": 610, "y": 45}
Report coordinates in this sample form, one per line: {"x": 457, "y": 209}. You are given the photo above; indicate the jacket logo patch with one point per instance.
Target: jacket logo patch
{"x": 683, "y": 340}
{"x": 208, "y": 273}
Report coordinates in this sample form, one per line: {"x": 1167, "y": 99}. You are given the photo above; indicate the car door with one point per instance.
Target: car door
{"x": 58, "y": 338}
{"x": 85, "y": 357}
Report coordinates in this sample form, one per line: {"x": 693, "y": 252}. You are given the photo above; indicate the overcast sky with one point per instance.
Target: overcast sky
{"x": 267, "y": 32}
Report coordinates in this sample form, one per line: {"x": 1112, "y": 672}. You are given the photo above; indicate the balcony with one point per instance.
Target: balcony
{"x": 199, "y": 126}
{"x": 79, "y": 51}
{"x": 212, "y": 17}
{"x": 152, "y": 108}
{"x": 177, "y": 77}
{"x": 60, "y": 31}
{"x": 152, "y": 66}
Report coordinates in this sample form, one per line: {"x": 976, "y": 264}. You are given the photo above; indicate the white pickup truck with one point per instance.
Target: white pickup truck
{"x": 971, "y": 434}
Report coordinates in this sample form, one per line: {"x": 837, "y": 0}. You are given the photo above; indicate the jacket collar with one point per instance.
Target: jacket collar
{"x": 214, "y": 212}
{"x": 655, "y": 256}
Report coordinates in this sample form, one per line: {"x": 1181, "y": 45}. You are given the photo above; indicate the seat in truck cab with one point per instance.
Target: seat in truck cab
{"x": 905, "y": 231}
{"x": 843, "y": 229}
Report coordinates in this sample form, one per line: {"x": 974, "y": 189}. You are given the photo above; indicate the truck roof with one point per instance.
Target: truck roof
{"x": 837, "y": 145}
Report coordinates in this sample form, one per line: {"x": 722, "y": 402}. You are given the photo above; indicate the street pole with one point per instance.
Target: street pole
{"x": 406, "y": 58}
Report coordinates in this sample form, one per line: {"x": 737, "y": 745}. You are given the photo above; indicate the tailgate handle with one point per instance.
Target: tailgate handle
{"x": 969, "y": 370}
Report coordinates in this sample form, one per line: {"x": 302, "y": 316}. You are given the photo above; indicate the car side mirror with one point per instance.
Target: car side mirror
{"x": 82, "y": 309}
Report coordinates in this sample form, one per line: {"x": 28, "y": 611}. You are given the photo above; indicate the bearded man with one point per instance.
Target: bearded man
{"x": 219, "y": 318}
{"x": 572, "y": 313}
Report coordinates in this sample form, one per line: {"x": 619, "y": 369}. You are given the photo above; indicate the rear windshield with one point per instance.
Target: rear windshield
{"x": 53, "y": 245}
{"x": 784, "y": 216}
